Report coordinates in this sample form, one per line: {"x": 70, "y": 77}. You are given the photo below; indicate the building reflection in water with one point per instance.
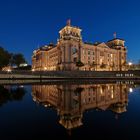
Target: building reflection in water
{"x": 71, "y": 101}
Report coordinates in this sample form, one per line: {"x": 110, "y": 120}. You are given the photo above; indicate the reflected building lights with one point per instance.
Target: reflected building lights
{"x": 71, "y": 101}
{"x": 130, "y": 90}
{"x": 112, "y": 96}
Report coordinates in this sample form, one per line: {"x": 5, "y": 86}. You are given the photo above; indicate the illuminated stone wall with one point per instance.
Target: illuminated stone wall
{"x": 72, "y": 53}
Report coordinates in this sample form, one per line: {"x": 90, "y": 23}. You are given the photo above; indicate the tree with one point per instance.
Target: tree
{"x": 79, "y": 64}
{"x": 5, "y": 57}
{"x": 93, "y": 65}
{"x": 18, "y": 59}
{"x": 103, "y": 66}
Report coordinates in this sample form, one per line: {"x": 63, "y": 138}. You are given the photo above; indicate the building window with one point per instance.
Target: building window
{"x": 74, "y": 59}
{"x": 88, "y": 52}
{"x": 74, "y": 50}
{"x": 101, "y": 53}
{"x": 93, "y": 53}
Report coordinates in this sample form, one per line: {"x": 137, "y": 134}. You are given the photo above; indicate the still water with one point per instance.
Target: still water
{"x": 70, "y": 110}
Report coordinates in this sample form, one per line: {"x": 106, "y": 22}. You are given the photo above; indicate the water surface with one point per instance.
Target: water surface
{"x": 70, "y": 110}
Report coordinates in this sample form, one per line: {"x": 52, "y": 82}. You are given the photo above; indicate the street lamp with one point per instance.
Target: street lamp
{"x": 9, "y": 70}
{"x": 130, "y": 64}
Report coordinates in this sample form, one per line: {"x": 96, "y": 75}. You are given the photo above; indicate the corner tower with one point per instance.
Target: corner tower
{"x": 69, "y": 46}
{"x": 119, "y": 45}
{"x": 70, "y": 32}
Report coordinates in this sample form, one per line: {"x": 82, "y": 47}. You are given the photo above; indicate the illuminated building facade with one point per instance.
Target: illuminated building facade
{"x": 71, "y": 101}
{"x": 71, "y": 53}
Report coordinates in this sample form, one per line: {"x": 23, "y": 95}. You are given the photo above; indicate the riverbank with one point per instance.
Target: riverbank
{"x": 70, "y": 75}
{"x": 70, "y": 81}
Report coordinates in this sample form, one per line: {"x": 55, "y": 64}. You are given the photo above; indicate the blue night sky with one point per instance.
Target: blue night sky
{"x": 25, "y": 24}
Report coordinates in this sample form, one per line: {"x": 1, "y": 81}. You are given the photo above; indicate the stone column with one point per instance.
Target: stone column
{"x": 69, "y": 53}
{"x": 79, "y": 55}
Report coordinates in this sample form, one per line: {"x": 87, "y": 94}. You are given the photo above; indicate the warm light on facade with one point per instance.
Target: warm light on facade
{"x": 112, "y": 95}
{"x": 70, "y": 49}
{"x": 101, "y": 91}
